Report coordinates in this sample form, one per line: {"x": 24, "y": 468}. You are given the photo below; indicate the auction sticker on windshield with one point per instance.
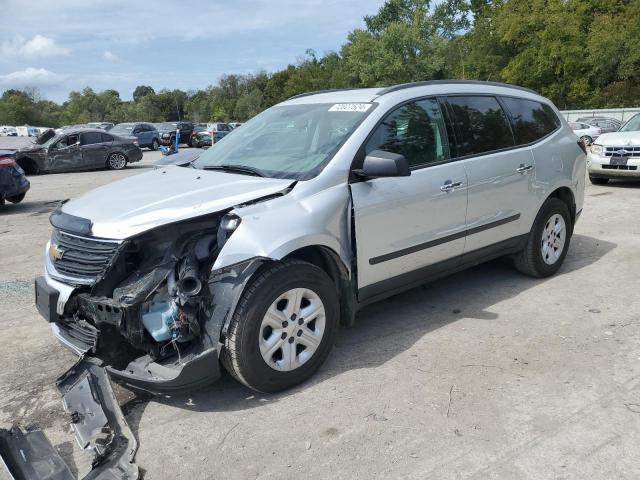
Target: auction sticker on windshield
{"x": 350, "y": 107}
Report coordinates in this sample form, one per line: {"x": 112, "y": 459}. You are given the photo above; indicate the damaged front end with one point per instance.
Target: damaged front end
{"x": 147, "y": 312}
{"x": 150, "y": 307}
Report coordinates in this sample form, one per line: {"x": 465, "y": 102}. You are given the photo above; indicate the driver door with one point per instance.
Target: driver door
{"x": 409, "y": 228}
{"x": 65, "y": 154}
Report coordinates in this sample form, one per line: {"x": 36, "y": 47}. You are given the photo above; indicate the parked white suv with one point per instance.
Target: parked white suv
{"x": 616, "y": 154}
{"x": 251, "y": 256}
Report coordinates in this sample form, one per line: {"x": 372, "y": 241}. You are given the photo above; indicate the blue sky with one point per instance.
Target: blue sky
{"x": 63, "y": 45}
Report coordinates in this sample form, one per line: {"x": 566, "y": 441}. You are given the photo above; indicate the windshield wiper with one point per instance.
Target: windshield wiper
{"x": 242, "y": 169}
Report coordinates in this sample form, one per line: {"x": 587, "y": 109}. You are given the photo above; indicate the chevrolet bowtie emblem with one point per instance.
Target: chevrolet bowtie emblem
{"x": 55, "y": 252}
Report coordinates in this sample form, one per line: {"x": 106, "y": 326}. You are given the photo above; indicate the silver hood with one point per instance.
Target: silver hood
{"x": 141, "y": 202}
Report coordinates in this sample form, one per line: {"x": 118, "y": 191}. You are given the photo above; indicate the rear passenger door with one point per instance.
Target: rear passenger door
{"x": 94, "y": 150}
{"x": 408, "y": 228}
{"x": 500, "y": 175}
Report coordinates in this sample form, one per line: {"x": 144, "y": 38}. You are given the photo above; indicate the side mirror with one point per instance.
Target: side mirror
{"x": 384, "y": 164}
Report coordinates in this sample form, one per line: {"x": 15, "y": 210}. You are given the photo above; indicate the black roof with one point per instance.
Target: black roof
{"x": 71, "y": 131}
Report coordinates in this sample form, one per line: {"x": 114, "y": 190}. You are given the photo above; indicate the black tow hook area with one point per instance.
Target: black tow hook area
{"x": 97, "y": 421}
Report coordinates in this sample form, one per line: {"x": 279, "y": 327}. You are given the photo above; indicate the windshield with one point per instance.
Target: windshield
{"x": 122, "y": 129}
{"x": 632, "y": 125}
{"x": 290, "y": 141}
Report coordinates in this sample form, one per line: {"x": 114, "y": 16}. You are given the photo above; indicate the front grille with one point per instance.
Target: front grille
{"x": 620, "y": 167}
{"x": 83, "y": 258}
{"x": 629, "y": 151}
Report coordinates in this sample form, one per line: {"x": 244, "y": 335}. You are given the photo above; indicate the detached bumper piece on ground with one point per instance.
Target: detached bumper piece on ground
{"x": 99, "y": 426}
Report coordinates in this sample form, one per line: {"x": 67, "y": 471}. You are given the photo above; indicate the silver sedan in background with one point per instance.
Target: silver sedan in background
{"x": 587, "y": 133}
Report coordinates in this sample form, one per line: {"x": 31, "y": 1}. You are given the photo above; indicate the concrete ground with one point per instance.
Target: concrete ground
{"x": 486, "y": 374}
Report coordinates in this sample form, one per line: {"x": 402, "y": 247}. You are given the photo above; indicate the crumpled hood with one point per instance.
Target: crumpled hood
{"x": 34, "y": 147}
{"x": 141, "y": 202}
{"x": 619, "y": 139}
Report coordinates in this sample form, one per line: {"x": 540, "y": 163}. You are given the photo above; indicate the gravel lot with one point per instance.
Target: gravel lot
{"x": 486, "y": 374}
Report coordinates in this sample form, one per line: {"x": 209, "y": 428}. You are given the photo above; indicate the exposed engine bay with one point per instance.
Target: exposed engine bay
{"x": 155, "y": 310}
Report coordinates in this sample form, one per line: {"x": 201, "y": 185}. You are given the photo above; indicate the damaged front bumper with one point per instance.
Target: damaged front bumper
{"x": 195, "y": 366}
{"x": 99, "y": 426}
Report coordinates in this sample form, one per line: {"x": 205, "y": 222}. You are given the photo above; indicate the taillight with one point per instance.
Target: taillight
{"x": 582, "y": 146}
{"x": 7, "y": 162}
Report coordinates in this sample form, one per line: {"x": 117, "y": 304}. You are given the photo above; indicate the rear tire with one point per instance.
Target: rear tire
{"x": 116, "y": 161}
{"x": 17, "y": 198}
{"x": 155, "y": 145}
{"x": 267, "y": 355}
{"x": 548, "y": 241}
{"x": 598, "y": 180}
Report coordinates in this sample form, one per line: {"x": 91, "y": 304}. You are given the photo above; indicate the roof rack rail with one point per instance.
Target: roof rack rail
{"x": 329, "y": 90}
{"x": 426, "y": 83}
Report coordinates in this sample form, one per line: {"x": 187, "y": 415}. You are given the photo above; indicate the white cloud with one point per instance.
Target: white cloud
{"x": 38, "y": 47}
{"x": 109, "y": 56}
{"x": 31, "y": 77}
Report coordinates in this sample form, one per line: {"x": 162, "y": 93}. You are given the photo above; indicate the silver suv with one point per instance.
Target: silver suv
{"x": 251, "y": 256}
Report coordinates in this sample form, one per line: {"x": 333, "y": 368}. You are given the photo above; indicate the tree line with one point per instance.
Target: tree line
{"x": 578, "y": 53}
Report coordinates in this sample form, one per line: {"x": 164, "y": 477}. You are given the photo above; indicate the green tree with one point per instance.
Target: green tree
{"x": 142, "y": 91}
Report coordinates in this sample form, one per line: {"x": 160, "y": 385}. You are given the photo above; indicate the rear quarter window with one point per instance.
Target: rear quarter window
{"x": 531, "y": 120}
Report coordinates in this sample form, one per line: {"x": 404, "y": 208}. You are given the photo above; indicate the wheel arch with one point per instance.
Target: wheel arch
{"x": 330, "y": 262}
{"x": 566, "y": 195}
{"x": 29, "y": 165}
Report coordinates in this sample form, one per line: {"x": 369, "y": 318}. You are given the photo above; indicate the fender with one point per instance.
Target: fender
{"x": 318, "y": 220}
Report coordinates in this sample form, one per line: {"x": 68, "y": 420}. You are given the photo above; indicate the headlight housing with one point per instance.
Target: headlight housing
{"x": 228, "y": 224}
{"x": 597, "y": 149}
{"x": 165, "y": 135}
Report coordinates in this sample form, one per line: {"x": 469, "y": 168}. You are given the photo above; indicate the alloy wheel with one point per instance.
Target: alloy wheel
{"x": 554, "y": 237}
{"x": 117, "y": 161}
{"x": 292, "y": 329}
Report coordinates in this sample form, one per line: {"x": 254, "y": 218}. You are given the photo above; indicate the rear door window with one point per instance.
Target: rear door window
{"x": 105, "y": 137}
{"x": 89, "y": 138}
{"x": 531, "y": 120}
{"x": 415, "y": 130}
{"x": 481, "y": 125}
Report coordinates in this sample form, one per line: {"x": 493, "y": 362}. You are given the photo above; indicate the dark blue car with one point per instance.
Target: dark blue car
{"x": 146, "y": 133}
{"x": 13, "y": 183}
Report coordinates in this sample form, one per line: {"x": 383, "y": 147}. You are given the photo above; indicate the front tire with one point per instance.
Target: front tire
{"x": 598, "y": 180}
{"x": 283, "y": 327}
{"x": 116, "y": 161}
{"x": 155, "y": 145}
{"x": 548, "y": 241}
{"x": 586, "y": 139}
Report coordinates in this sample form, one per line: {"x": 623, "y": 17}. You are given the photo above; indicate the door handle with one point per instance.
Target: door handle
{"x": 524, "y": 168}
{"x": 449, "y": 186}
